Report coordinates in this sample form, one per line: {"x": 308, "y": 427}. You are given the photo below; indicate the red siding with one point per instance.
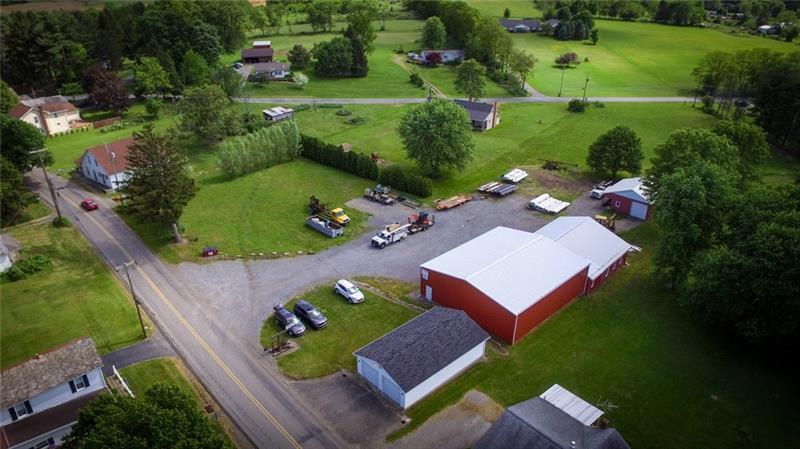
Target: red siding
{"x": 625, "y": 205}
{"x": 550, "y": 304}
{"x": 459, "y": 294}
{"x": 602, "y": 278}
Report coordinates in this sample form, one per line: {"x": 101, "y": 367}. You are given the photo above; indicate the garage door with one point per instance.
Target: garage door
{"x": 393, "y": 391}
{"x": 638, "y": 210}
{"x": 371, "y": 374}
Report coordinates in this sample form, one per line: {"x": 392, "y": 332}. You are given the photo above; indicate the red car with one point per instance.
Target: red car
{"x": 89, "y": 204}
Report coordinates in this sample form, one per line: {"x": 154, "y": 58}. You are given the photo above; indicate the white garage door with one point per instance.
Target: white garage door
{"x": 371, "y": 374}
{"x": 638, "y": 210}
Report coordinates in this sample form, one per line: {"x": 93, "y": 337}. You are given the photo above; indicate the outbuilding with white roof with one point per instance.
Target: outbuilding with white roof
{"x": 629, "y": 197}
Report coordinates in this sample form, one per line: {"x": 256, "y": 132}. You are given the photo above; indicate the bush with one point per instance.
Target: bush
{"x": 355, "y": 120}
{"x": 576, "y": 105}
{"x": 302, "y": 107}
{"x": 353, "y": 162}
{"x": 27, "y": 267}
{"x": 416, "y": 79}
{"x": 329, "y": 106}
{"x": 153, "y": 106}
{"x": 60, "y": 222}
{"x": 708, "y": 104}
{"x": 123, "y": 124}
{"x": 412, "y": 183}
{"x": 264, "y": 148}
{"x": 343, "y": 112}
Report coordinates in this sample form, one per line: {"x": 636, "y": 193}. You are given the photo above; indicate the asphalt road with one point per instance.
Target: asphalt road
{"x": 533, "y": 99}
{"x": 234, "y": 372}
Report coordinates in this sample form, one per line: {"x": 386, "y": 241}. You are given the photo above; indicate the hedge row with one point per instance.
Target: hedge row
{"x": 358, "y": 164}
{"x": 263, "y": 148}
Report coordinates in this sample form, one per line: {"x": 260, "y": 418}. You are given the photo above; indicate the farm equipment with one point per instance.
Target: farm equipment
{"x": 325, "y": 226}
{"x": 516, "y": 175}
{"x": 498, "y": 188}
{"x": 391, "y": 234}
{"x": 546, "y": 203}
{"x": 420, "y": 222}
{"x": 379, "y": 195}
{"x": 556, "y": 165}
{"x": 609, "y": 222}
{"x": 337, "y": 215}
{"x": 453, "y": 201}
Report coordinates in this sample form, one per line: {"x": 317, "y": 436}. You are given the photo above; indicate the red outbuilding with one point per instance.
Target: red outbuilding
{"x": 509, "y": 281}
{"x": 629, "y": 197}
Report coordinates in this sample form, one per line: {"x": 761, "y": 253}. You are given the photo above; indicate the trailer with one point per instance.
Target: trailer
{"x": 379, "y": 195}
{"x": 516, "y": 175}
{"x": 391, "y": 234}
{"x": 420, "y": 222}
{"x": 453, "y": 201}
{"x": 325, "y": 226}
{"x": 498, "y": 188}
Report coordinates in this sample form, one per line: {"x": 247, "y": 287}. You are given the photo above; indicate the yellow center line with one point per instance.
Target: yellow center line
{"x": 197, "y": 336}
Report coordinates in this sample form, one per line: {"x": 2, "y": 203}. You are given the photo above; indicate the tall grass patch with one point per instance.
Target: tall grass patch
{"x": 263, "y": 148}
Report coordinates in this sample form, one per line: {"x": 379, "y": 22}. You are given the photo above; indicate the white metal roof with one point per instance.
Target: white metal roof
{"x": 262, "y": 43}
{"x": 514, "y": 268}
{"x": 630, "y": 188}
{"x": 588, "y": 239}
{"x": 572, "y": 404}
{"x": 278, "y": 110}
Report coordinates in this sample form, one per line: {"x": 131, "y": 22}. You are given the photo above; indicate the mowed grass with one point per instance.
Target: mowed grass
{"x": 141, "y": 376}
{"x": 496, "y": 8}
{"x": 350, "y": 326}
{"x": 520, "y": 140}
{"x": 75, "y": 296}
{"x": 672, "y": 383}
{"x": 633, "y": 59}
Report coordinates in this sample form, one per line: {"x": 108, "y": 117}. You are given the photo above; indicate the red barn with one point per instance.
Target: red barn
{"x": 509, "y": 281}
{"x": 629, "y": 197}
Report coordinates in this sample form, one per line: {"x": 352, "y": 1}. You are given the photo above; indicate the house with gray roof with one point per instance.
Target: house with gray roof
{"x": 41, "y": 397}
{"x": 423, "y": 354}
{"x": 539, "y": 423}
{"x": 484, "y": 116}
{"x": 521, "y": 25}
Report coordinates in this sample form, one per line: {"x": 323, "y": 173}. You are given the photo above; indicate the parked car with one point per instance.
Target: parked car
{"x": 599, "y": 189}
{"x": 597, "y": 194}
{"x": 238, "y": 65}
{"x": 287, "y": 320}
{"x": 89, "y": 204}
{"x": 310, "y": 314}
{"x": 349, "y": 291}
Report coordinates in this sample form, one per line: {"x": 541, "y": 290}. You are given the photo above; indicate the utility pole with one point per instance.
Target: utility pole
{"x": 47, "y": 180}
{"x": 111, "y": 158}
{"x": 133, "y": 293}
{"x": 584, "y": 89}
{"x": 561, "y": 89}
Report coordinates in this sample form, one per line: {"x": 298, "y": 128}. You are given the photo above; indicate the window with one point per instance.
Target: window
{"x": 20, "y": 410}
{"x": 616, "y": 203}
{"x": 44, "y": 444}
{"x": 79, "y": 383}
{"x": 424, "y": 274}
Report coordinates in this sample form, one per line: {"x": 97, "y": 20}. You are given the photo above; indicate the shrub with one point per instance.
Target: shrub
{"x": 302, "y": 107}
{"x": 27, "y": 267}
{"x": 412, "y": 183}
{"x": 264, "y": 148}
{"x": 343, "y": 112}
{"x": 416, "y": 79}
{"x": 576, "y": 105}
{"x": 123, "y": 124}
{"x": 353, "y": 162}
{"x": 329, "y": 106}
{"x": 153, "y": 106}
{"x": 60, "y": 222}
{"x": 355, "y": 120}
{"x": 708, "y": 104}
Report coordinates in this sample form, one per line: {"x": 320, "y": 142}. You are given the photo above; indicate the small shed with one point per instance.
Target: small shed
{"x": 629, "y": 197}
{"x": 256, "y": 55}
{"x": 277, "y": 114}
{"x": 423, "y": 354}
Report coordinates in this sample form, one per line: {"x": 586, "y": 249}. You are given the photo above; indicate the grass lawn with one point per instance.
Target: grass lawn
{"x": 673, "y": 384}
{"x": 76, "y": 296}
{"x": 143, "y": 375}
{"x": 350, "y": 326}
{"x": 633, "y": 59}
{"x": 34, "y": 211}
{"x": 495, "y": 8}
{"x": 520, "y": 140}
{"x": 444, "y": 77}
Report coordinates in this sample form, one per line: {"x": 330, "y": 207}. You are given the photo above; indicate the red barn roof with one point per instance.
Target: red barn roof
{"x": 119, "y": 149}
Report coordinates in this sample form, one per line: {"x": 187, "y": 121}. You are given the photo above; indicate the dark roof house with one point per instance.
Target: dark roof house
{"x": 416, "y": 358}
{"x": 484, "y": 116}
{"x": 521, "y": 25}
{"x": 254, "y": 55}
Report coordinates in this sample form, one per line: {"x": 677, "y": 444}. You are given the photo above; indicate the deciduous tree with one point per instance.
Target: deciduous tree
{"x": 106, "y": 89}
{"x": 300, "y": 80}
{"x": 299, "y": 56}
{"x": 18, "y": 140}
{"x": 438, "y": 135}
{"x": 750, "y": 142}
{"x": 334, "y": 57}
{"x": 194, "y": 69}
{"x": 618, "y": 149}
{"x": 7, "y": 98}
{"x": 228, "y": 80}
{"x": 14, "y": 196}
{"x": 202, "y": 111}
{"x": 433, "y": 33}
{"x": 151, "y": 78}
{"x": 469, "y": 79}
{"x": 521, "y": 64}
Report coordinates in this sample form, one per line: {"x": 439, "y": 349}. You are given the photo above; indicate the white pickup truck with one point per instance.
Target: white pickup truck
{"x": 393, "y": 233}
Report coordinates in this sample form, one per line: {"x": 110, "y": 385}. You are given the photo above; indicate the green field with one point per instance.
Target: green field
{"x": 633, "y": 59}
{"x": 495, "y": 8}
{"x": 76, "y": 296}
{"x": 350, "y": 326}
{"x": 143, "y": 375}
{"x": 673, "y": 385}
{"x": 520, "y": 140}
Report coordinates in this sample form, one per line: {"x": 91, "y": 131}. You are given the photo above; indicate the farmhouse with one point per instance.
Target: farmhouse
{"x": 509, "y": 281}
{"x": 446, "y": 55}
{"x": 557, "y": 419}
{"x": 521, "y": 25}
{"x": 106, "y": 164}
{"x": 423, "y": 354}
{"x": 50, "y": 115}
{"x": 277, "y": 114}
{"x": 41, "y": 397}
{"x": 484, "y": 116}
{"x": 270, "y": 70}
{"x": 629, "y": 197}
{"x": 9, "y": 251}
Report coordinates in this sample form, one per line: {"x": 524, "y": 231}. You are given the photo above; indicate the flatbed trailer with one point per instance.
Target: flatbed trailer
{"x": 325, "y": 226}
{"x": 453, "y": 201}
{"x": 420, "y": 222}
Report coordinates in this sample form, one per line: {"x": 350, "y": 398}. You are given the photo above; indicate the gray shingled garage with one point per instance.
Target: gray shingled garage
{"x": 421, "y": 355}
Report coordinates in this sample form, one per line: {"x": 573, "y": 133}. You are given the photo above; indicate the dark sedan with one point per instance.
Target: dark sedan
{"x": 306, "y": 311}
{"x": 286, "y": 319}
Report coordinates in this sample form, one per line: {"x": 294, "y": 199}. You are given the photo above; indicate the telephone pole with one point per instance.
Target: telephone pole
{"x": 47, "y": 180}
{"x": 561, "y": 89}
{"x": 133, "y": 293}
{"x": 584, "y": 89}
{"x": 111, "y": 158}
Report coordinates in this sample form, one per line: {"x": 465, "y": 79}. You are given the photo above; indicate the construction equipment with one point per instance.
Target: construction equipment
{"x": 316, "y": 207}
{"x": 325, "y": 226}
{"x": 391, "y": 234}
{"x": 420, "y": 222}
{"x": 498, "y": 188}
{"x": 609, "y": 222}
{"x": 379, "y": 195}
{"x": 453, "y": 201}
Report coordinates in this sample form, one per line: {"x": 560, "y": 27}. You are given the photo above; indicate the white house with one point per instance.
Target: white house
{"x": 484, "y": 116}
{"x": 51, "y": 115}
{"x": 41, "y": 397}
{"x": 521, "y": 25}
{"x": 270, "y": 70}
{"x": 9, "y": 251}
{"x": 107, "y": 164}
{"x": 423, "y": 354}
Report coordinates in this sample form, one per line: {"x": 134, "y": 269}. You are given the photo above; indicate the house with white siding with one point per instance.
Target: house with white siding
{"x": 41, "y": 397}
{"x": 106, "y": 164}
{"x": 50, "y": 115}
